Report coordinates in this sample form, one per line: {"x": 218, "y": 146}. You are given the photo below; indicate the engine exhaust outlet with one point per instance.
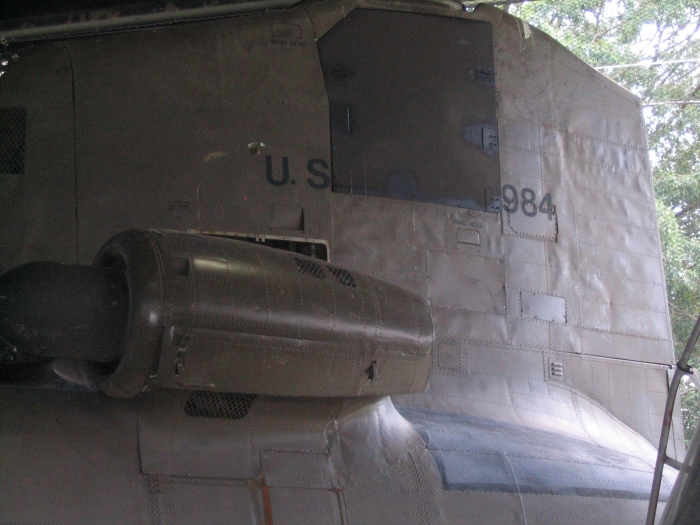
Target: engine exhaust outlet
{"x": 59, "y": 310}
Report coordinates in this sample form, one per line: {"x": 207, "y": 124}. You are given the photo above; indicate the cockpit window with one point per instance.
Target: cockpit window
{"x": 412, "y": 108}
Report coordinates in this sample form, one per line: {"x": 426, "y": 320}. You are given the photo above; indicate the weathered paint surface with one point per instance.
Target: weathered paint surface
{"x": 552, "y": 339}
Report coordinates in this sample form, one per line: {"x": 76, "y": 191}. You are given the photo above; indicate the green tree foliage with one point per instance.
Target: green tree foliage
{"x": 666, "y": 32}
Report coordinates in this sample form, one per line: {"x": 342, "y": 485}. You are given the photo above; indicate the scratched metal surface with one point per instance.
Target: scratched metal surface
{"x": 552, "y": 322}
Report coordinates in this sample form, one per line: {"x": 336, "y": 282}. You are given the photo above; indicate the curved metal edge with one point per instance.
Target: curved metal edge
{"x": 136, "y": 21}
{"x": 137, "y": 253}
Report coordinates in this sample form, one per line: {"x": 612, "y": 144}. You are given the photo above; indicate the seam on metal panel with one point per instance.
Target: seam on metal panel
{"x": 614, "y": 361}
{"x": 625, "y": 306}
{"x": 506, "y": 317}
{"x": 180, "y": 318}
{"x": 600, "y": 430}
{"x": 657, "y": 257}
{"x": 577, "y": 411}
{"x": 466, "y": 373}
{"x": 166, "y": 479}
{"x": 420, "y": 484}
{"x": 267, "y": 289}
{"x": 523, "y": 123}
{"x": 552, "y": 476}
{"x": 605, "y": 112}
{"x": 527, "y": 394}
{"x": 649, "y": 338}
{"x": 401, "y": 274}
{"x": 565, "y": 65}
{"x": 504, "y": 517}
{"x": 365, "y": 212}
{"x": 404, "y": 465}
{"x": 545, "y": 458}
{"x": 624, "y": 147}
{"x": 342, "y": 452}
{"x": 539, "y": 321}
{"x": 615, "y": 169}
{"x": 361, "y": 289}
{"x": 329, "y": 454}
{"x": 369, "y": 241}
{"x": 617, "y": 222}
{"x": 435, "y": 394}
{"x": 568, "y": 132}
{"x": 629, "y": 400}
{"x": 606, "y": 192}
{"x": 445, "y": 308}
{"x": 610, "y": 414}
{"x": 155, "y": 490}
{"x": 399, "y": 202}
{"x": 510, "y": 399}
{"x": 510, "y": 259}
{"x": 646, "y": 399}
{"x": 577, "y": 73}
{"x": 377, "y": 311}
{"x": 614, "y": 276}
{"x": 457, "y": 252}
{"x": 301, "y": 297}
{"x": 607, "y": 120}
{"x": 545, "y": 248}
{"x": 517, "y": 487}
{"x": 519, "y": 146}
{"x": 537, "y": 236}
{"x": 534, "y": 292}
{"x": 332, "y": 284}
{"x": 293, "y": 450}
{"x": 416, "y": 318}
{"x": 302, "y": 350}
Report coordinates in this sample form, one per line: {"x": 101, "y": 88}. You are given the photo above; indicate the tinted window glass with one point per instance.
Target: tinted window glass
{"x": 412, "y": 107}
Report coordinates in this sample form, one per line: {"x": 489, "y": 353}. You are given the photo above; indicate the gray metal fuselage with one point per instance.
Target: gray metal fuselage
{"x": 344, "y": 201}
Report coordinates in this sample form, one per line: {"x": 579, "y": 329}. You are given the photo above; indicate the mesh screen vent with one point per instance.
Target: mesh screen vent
{"x": 220, "y": 405}
{"x": 13, "y": 130}
{"x": 310, "y": 268}
{"x": 343, "y": 277}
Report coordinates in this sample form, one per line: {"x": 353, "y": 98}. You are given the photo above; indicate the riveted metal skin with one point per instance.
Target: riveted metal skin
{"x": 540, "y": 314}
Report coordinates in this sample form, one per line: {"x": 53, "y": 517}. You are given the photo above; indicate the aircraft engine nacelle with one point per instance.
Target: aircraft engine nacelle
{"x": 199, "y": 312}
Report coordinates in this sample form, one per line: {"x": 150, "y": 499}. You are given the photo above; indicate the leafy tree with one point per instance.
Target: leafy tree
{"x": 665, "y": 36}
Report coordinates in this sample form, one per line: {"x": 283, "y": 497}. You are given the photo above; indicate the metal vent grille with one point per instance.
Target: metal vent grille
{"x": 343, "y": 277}
{"x": 310, "y": 268}
{"x": 556, "y": 370}
{"x": 13, "y": 131}
{"x": 220, "y": 405}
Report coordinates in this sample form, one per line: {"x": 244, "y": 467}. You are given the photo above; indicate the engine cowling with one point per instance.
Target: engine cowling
{"x": 218, "y": 314}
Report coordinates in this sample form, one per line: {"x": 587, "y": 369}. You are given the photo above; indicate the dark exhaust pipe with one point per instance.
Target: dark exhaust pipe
{"x": 58, "y": 310}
